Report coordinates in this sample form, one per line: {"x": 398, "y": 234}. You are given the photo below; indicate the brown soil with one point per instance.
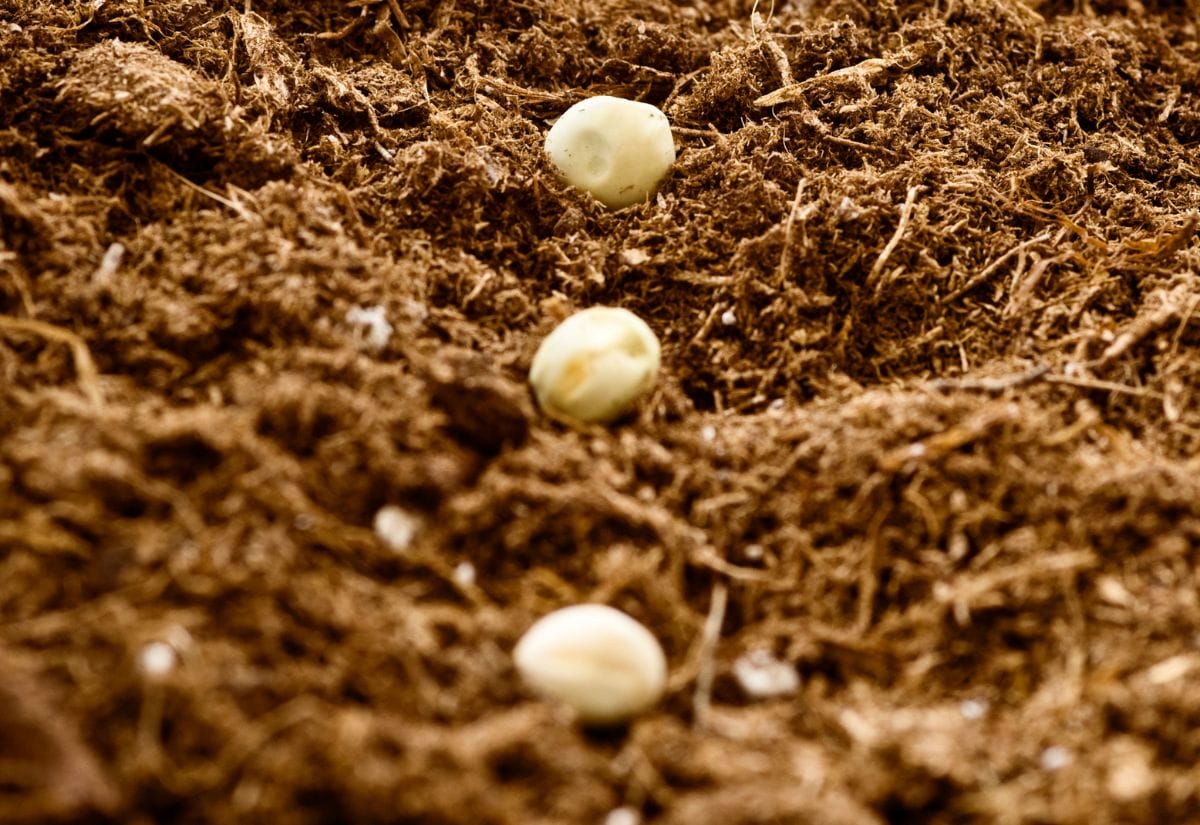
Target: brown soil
{"x": 943, "y": 461}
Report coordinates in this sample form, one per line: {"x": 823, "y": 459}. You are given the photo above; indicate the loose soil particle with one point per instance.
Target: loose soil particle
{"x": 926, "y": 277}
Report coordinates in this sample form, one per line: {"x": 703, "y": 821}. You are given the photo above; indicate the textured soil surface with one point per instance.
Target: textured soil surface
{"x": 926, "y": 278}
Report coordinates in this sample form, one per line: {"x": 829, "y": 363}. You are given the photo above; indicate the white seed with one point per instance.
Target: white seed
{"x": 157, "y": 659}
{"x": 464, "y": 574}
{"x": 596, "y": 660}
{"x": 1055, "y": 758}
{"x": 973, "y": 709}
{"x": 396, "y": 527}
{"x": 595, "y": 365}
{"x": 623, "y": 816}
{"x": 762, "y": 676}
{"x": 617, "y": 150}
{"x": 372, "y": 330}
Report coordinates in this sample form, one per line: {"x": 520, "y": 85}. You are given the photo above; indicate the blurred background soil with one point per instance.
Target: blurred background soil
{"x": 925, "y": 275}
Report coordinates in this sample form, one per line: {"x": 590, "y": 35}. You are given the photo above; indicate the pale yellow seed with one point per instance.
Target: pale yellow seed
{"x": 617, "y": 150}
{"x": 595, "y": 365}
{"x": 601, "y": 663}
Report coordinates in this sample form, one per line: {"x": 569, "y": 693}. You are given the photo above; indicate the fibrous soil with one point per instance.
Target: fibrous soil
{"x": 926, "y": 278}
